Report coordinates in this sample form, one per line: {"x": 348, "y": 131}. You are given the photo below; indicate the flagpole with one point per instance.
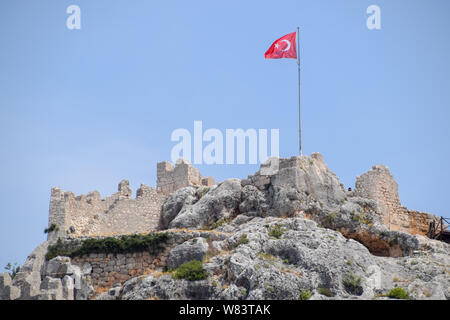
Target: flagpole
{"x": 299, "y": 100}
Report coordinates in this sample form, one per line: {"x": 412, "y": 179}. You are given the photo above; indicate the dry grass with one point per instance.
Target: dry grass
{"x": 98, "y": 291}
{"x": 285, "y": 270}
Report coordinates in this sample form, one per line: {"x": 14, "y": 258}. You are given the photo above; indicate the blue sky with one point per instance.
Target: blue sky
{"x": 83, "y": 109}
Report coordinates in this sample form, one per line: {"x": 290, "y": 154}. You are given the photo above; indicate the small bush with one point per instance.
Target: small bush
{"x": 51, "y": 228}
{"x": 12, "y": 269}
{"x": 202, "y": 192}
{"x": 330, "y": 218}
{"x": 217, "y": 224}
{"x": 266, "y": 256}
{"x": 398, "y": 293}
{"x": 276, "y": 231}
{"x": 362, "y": 218}
{"x": 325, "y": 292}
{"x": 269, "y": 288}
{"x": 352, "y": 284}
{"x": 192, "y": 271}
{"x": 305, "y": 295}
{"x": 242, "y": 240}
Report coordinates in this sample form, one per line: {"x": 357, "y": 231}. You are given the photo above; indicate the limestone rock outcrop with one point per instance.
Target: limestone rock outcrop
{"x": 302, "y": 257}
{"x": 289, "y": 231}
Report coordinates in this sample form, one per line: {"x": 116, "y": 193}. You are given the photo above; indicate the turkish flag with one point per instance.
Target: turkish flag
{"x": 285, "y": 47}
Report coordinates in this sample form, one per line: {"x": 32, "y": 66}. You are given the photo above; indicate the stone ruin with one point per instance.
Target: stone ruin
{"x": 170, "y": 178}
{"x": 378, "y": 184}
{"x": 120, "y": 213}
{"x": 84, "y": 216}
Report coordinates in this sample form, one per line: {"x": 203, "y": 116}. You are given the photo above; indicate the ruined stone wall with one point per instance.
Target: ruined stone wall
{"x": 90, "y": 215}
{"x": 170, "y": 178}
{"x": 120, "y": 213}
{"x": 378, "y": 184}
{"x": 109, "y": 269}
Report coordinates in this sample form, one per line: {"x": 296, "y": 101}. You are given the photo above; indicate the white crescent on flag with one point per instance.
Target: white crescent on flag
{"x": 288, "y": 45}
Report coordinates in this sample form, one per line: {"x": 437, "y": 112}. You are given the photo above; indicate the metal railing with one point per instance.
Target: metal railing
{"x": 439, "y": 230}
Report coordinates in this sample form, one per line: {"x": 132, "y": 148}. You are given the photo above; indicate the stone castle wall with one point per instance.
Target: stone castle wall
{"x": 378, "y": 184}
{"x": 109, "y": 269}
{"x": 90, "y": 215}
{"x": 183, "y": 174}
{"x": 120, "y": 213}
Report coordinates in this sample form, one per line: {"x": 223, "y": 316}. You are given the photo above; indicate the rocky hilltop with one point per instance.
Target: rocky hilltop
{"x": 290, "y": 231}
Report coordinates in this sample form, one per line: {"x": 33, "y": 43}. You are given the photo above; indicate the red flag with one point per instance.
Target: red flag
{"x": 285, "y": 47}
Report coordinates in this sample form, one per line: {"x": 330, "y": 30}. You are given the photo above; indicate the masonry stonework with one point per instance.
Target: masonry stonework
{"x": 172, "y": 178}
{"x": 120, "y": 213}
{"x": 90, "y": 215}
{"x": 378, "y": 184}
{"x": 109, "y": 269}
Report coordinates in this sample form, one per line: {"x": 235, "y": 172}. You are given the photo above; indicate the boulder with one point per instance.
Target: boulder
{"x": 83, "y": 289}
{"x": 175, "y": 202}
{"x": 52, "y": 286}
{"x": 58, "y": 267}
{"x": 7, "y": 290}
{"x": 68, "y": 287}
{"x": 194, "y": 249}
{"x": 221, "y": 202}
{"x": 254, "y": 202}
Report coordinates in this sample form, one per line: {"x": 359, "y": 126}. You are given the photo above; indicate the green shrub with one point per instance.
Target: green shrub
{"x": 276, "y": 231}
{"x": 215, "y": 225}
{"x": 269, "y": 288}
{"x": 12, "y": 269}
{"x": 267, "y": 256}
{"x": 325, "y": 292}
{"x": 352, "y": 284}
{"x": 330, "y": 218}
{"x": 305, "y": 295}
{"x": 152, "y": 243}
{"x": 192, "y": 271}
{"x": 243, "y": 240}
{"x": 362, "y": 218}
{"x": 51, "y": 228}
{"x": 398, "y": 293}
{"x": 219, "y": 223}
{"x": 203, "y": 191}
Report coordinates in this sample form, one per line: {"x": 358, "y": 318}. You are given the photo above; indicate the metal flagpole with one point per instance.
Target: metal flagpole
{"x": 299, "y": 102}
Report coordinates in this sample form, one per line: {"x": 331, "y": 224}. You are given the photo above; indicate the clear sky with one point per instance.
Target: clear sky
{"x": 83, "y": 109}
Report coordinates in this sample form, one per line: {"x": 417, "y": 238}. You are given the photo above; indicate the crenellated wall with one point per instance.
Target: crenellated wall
{"x": 90, "y": 215}
{"x": 120, "y": 213}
